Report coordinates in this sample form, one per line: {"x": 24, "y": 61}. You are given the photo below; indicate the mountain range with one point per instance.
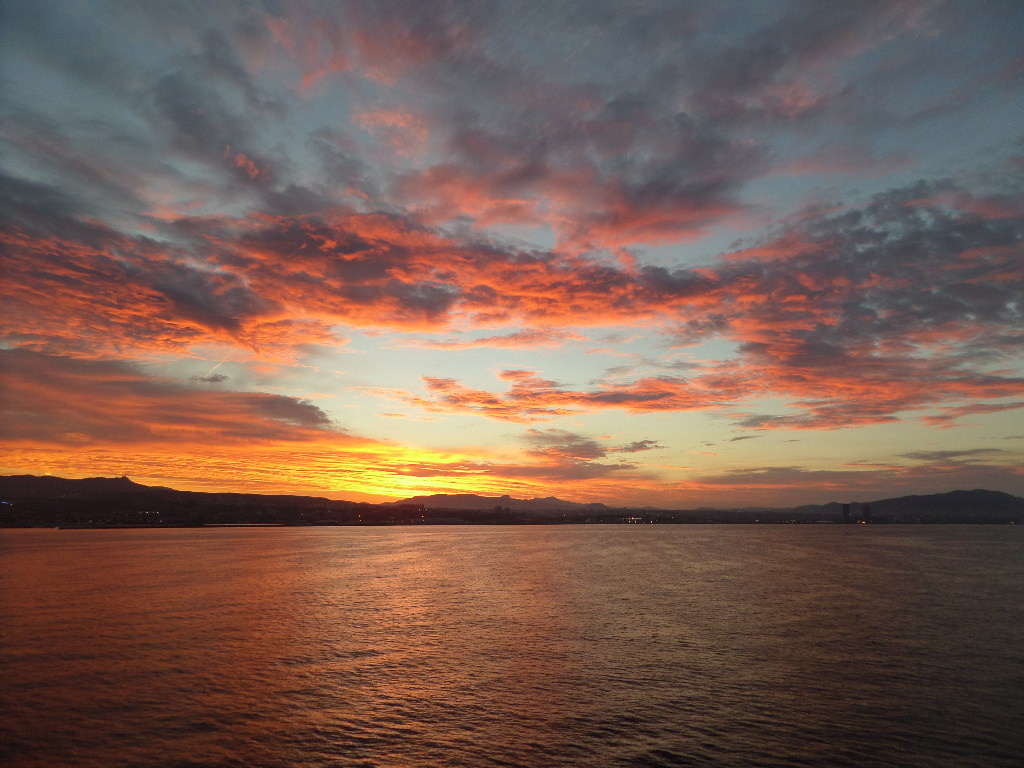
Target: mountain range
{"x": 34, "y": 500}
{"x": 473, "y": 501}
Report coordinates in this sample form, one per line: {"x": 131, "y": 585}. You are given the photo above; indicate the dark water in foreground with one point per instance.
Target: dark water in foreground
{"x": 513, "y": 646}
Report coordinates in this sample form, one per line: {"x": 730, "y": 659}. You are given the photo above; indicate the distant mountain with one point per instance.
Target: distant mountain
{"x": 32, "y": 500}
{"x": 977, "y": 503}
{"x": 471, "y": 501}
{"x": 27, "y": 500}
{"x": 48, "y": 487}
{"x": 954, "y": 506}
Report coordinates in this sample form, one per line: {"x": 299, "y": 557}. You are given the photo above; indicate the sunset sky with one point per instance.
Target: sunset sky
{"x": 646, "y": 253}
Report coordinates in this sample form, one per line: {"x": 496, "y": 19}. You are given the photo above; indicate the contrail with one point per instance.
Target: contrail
{"x": 218, "y": 365}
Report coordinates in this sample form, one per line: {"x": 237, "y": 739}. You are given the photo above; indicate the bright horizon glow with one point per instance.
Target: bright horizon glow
{"x": 721, "y": 254}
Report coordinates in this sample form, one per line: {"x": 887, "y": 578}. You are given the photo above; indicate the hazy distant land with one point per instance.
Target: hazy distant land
{"x": 32, "y": 501}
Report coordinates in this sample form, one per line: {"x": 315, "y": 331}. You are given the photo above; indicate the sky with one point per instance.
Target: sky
{"x": 674, "y": 254}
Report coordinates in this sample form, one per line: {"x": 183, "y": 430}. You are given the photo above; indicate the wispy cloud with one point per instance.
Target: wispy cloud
{"x": 531, "y": 338}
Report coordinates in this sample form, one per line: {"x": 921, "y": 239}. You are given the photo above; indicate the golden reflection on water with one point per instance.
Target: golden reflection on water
{"x": 436, "y": 604}
{"x": 483, "y": 646}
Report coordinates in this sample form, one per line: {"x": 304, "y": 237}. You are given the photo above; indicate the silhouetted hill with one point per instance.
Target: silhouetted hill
{"x": 27, "y": 500}
{"x": 471, "y": 501}
{"x": 32, "y": 500}
{"x": 978, "y": 506}
{"x": 978, "y": 503}
{"x": 48, "y": 487}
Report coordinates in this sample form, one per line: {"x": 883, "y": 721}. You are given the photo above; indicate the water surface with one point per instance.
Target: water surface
{"x": 513, "y": 646}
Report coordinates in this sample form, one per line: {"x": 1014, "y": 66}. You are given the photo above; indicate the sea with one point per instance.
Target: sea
{"x": 575, "y": 645}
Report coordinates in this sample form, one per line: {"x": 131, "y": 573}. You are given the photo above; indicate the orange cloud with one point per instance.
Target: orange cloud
{"x": 77, "y": 417}
{"x": 315, "y": 44}
{"x": 126, "y": 295}
{"x": 531, "y": 398}
{"x": 950, "y": 414}
{"x": 247, "y": 164}
{"x": 369, "y": 40}
{"x": 530, "y": 338}
{"x": 61, "y": 401}
{"x": 406, "y": 133}
{"x": 853, "y": 316}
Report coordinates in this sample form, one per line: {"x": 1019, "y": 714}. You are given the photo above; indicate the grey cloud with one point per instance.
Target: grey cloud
{"x": 70, "y": 39}
{"x": 429, "y": 299}
{"x": 956, "y": 456}
{"x": 212, "y": 300}
{"x": 341, "y": 165}
{"x": 202, "y": 126}
{"x": 71, "y": 401}
{"x": 42, "y": 208}
{"x": 569, "y": 456}
{"x": 220, "y": 60}
{"x": 862, "y": 295}
{"x": 289, "y": 409}
{"x": 639, "y": 445}
{"x": 216, "y": 378}
{"x": 517, "y": 126}
{"x": 564, "y": 445}
{"x": 128, "y": 111}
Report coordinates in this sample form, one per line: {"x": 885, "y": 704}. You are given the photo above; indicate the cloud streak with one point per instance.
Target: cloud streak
{"x": 62, "y": 401}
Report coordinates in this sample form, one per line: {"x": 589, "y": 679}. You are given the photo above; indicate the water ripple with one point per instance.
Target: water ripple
{"x": 512, "y": 647}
